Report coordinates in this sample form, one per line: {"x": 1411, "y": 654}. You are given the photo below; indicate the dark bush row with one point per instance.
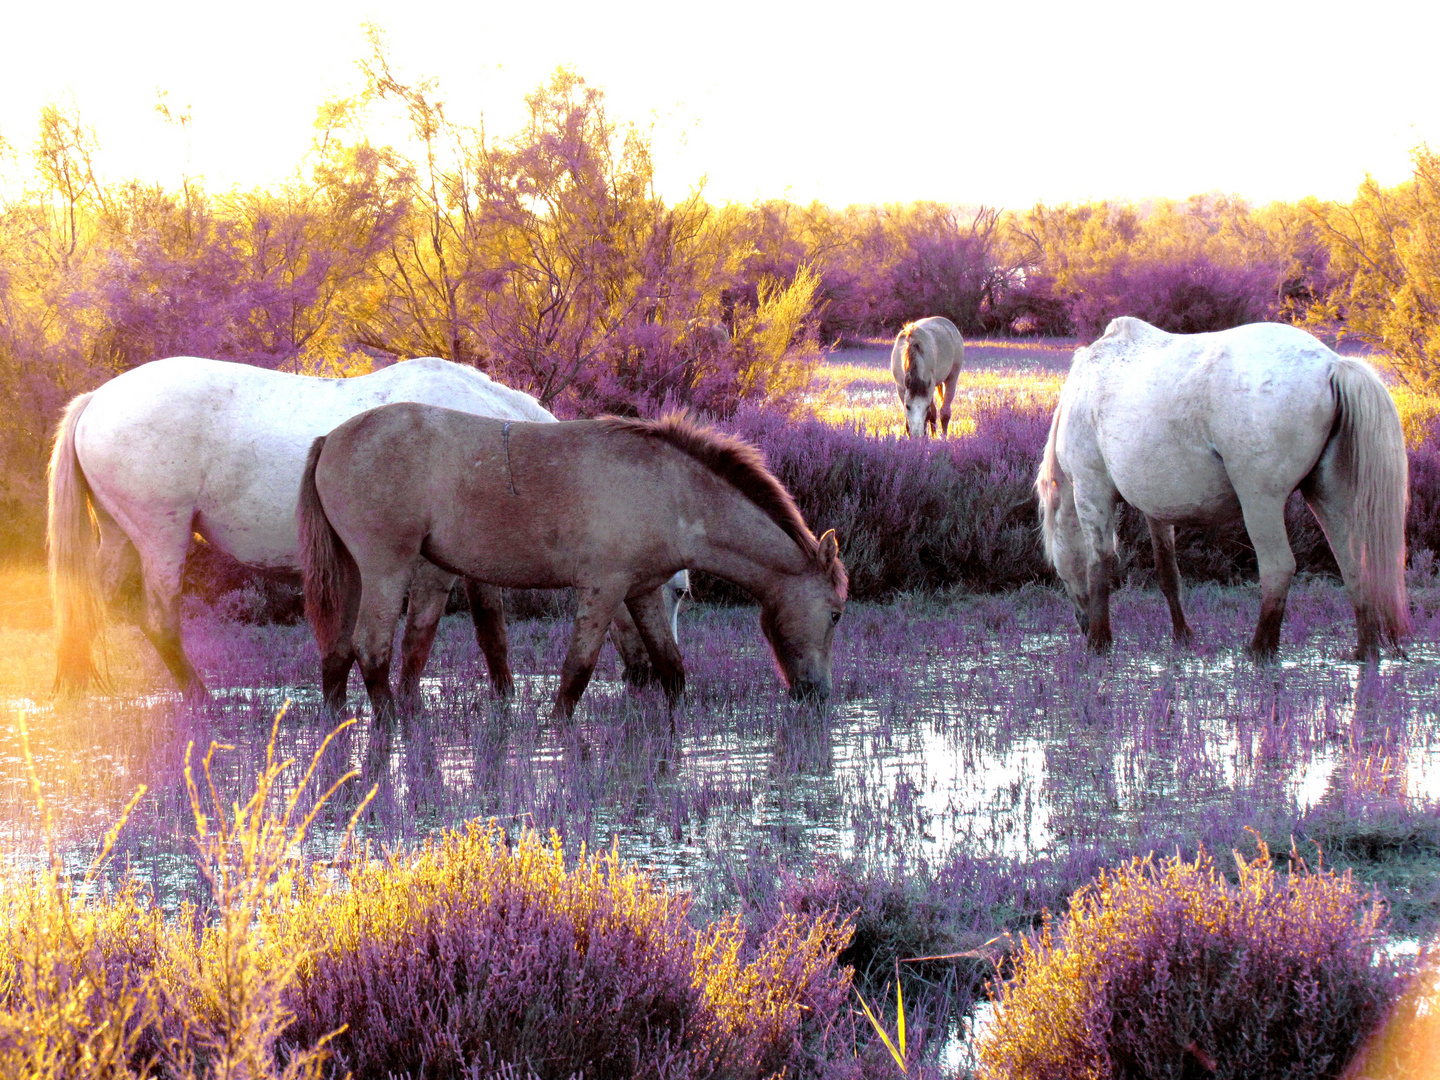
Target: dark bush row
{"x": 917, "y": 516}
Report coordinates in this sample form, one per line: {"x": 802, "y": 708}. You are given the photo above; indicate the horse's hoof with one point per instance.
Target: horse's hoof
{"x": 639, "y": 676}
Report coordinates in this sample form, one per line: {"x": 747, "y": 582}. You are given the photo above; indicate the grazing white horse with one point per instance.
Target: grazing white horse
{"x": 927, "y": 354}
{"x": 1199, "y": 429}
{"x": 187, "y": 445}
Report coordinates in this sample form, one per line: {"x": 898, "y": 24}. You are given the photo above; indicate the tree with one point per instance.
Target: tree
{"x": 1385, "y": 246}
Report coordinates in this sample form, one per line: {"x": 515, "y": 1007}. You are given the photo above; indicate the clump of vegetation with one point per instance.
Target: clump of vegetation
{"x": 477, "y": 955}
{"x": 1168, "y": 970}
{"x": 477, "y": 952}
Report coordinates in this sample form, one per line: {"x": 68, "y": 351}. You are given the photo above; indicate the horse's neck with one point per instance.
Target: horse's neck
{"x": 743, "y": 545}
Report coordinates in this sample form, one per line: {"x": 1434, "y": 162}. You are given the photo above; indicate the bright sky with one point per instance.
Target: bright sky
{"x": 1004, "y": 105}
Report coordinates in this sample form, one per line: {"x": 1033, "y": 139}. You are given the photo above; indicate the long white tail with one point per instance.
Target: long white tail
{"x": 73, "y": 543}
{"x": 1372, "y": 457}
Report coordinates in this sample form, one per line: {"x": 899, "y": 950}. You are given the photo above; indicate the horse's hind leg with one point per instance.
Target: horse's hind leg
{"x": 381, "y": 597}
{"x": 429, "y": 590}
{"x": 487, "y": 611}
{"x": 1331, "y": 504}
{"x": 1167, "y": 574}
{"x": 597, "y": 606}
{"x": 653, "y": 623}
{"x": 162, "y": 566}
{"x": 1265, "y": 522}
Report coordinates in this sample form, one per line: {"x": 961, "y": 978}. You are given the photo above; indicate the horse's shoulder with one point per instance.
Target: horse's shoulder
{"x": 1127, "y": 330}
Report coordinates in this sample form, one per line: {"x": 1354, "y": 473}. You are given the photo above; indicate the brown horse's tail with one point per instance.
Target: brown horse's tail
{"x": 1371, "y": 455}
{"x": 72, "y": 541}
{"x": 330, "y": 574}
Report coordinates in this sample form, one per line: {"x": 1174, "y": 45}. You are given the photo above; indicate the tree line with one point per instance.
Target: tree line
{"x": 547, "y": 259}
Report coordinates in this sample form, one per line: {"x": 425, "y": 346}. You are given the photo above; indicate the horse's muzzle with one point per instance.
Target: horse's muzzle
{"x": 810, "y": 691}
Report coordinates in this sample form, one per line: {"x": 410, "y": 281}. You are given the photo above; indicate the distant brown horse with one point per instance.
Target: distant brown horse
{"x": 613, "y": 507}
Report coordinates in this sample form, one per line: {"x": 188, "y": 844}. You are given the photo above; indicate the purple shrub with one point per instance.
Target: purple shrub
{"x": 1183, "y": 296}
{"x": 476, "y": 953}
{"x": 915, "y": 515}
{"x": 1167, "y": 970}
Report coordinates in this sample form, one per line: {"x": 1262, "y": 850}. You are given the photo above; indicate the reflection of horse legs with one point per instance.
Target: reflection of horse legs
{"x": 653, "y": 624}
{"x": 429, "y": 590}
{"x": 1265, "y": 522}
{"x": 487, "y": 611}
{"x": 1167, "y": 574}
{"x": 162, "y": 564}
{"x": 597, "y": 606}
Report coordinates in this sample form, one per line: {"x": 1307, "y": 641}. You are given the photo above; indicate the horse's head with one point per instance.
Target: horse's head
{"x": 1060, "y": 526}
{"x": 917, "y": 394}
{"x": 799, "y": 621}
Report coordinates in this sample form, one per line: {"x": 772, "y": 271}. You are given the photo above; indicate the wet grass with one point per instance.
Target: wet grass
{"x": 974, "y": 767}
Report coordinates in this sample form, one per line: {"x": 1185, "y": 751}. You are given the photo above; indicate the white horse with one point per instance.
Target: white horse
{"x": 1199, "y": 429}
{"x": 187, "y": 445}
{"x": 927, "y": 354}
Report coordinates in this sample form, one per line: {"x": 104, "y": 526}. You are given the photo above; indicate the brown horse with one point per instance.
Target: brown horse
{"x": 613, "y": 507}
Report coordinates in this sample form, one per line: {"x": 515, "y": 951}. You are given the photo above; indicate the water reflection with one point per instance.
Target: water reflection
{"x": 996, "y": 735}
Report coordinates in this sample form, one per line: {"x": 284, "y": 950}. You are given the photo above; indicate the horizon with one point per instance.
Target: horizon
{"x": 1006, "y": 123}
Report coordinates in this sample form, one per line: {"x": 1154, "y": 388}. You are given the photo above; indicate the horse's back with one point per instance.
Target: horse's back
{"x": 940, "y": 344}
{"x": 1181, "y": 422}
{"x": 224, "y": 443}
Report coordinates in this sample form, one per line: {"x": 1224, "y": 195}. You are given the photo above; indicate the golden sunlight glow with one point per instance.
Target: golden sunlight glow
{"x": 964, "y": 105}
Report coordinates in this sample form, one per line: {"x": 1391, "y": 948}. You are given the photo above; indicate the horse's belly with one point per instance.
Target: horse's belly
{"x": 265, "y": 540}
{"x": 1189, "y": 491}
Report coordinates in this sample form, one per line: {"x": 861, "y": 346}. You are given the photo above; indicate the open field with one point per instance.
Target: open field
{"x": 854, "y": 385}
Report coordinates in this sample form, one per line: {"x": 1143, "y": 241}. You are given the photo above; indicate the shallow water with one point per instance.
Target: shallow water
{"x": 982, "y": 727}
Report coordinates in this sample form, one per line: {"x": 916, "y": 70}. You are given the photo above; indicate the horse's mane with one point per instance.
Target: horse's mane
{"x": 736, "y": 461}
{"x": 1047, "y": 487}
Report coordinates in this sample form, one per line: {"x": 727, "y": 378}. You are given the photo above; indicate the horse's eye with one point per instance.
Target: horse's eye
{"x": 834, "y": 617}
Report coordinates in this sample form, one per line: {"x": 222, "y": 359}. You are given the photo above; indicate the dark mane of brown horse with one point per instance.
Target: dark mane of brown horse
{"x": 732, "y": 459}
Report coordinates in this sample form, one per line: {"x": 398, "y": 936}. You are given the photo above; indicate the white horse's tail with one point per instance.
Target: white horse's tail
{"x": 73, "y": 544}
{"x": 328, "y": 569}
{"x": 1372, "y": 458}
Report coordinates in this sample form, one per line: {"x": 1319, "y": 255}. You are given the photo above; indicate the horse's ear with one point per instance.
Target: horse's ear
{"x": 829, "y": 549}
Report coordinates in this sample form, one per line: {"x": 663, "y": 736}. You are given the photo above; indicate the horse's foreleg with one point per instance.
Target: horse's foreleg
{"x": 429, "y": 590}
{"x": 1265, "y": 522}
{"x": 1167, "y": 574}
{"x": 597, "y": 606}
{"x": 947, "y": 398}
{"x": 631, "y": 647}
{"x": 653, "y": 624}
{"x": 487, "y": 611}
{"x": 1099, "y": 570}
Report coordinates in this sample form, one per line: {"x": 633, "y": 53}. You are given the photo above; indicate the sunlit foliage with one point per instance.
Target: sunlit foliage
{"x": 1166, "y": 969}
{"x": 1385, "y": 247}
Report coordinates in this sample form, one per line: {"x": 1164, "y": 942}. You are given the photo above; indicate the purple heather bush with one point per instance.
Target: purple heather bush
{"x": 1183, "y": 296}
{"x": 1165, "y": 969}
{"x": 478, "y": 952}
